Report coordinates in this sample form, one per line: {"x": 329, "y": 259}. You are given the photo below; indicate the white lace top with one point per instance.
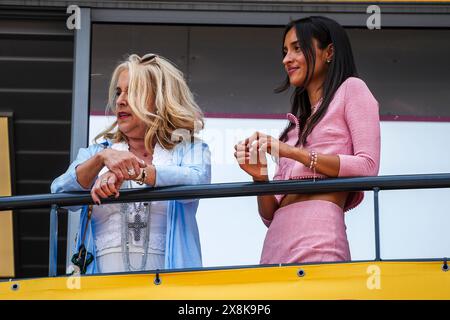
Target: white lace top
{"x": 107, "y": 219}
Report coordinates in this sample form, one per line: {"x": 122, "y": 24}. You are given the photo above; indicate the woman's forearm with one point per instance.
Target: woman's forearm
{"x": 88, "y": 170}
{"x": 326, "y": 164}
{"x": 150, "y": 176}
{"x": 267, "y": 205}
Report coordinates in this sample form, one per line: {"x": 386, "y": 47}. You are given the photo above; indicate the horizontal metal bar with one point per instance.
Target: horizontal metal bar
{"x": 351, "y": 16}
{"x": 33, "y": 266}
{"x": 31, "y": 90}
{"x": 46, "y": 122}
{"x": 26, "y": 181}
{"x": 240, "y": 189}
{"x": 33, "y": 211}
{"x": 35, "y": 59}
{"x": 43, "y": 152}
{"x": 61, "y": 239}
{"x": 396, "y": 6}
{"x": 40, "y": 34}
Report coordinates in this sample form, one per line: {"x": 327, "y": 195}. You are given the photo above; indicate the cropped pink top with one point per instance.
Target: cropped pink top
{"x": 350, "y": 129}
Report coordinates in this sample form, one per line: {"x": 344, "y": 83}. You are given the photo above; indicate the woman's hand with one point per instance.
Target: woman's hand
{"x": 106, "y": 185}
{"x": 254, "y": 163}
{"x": 124, "y": 164}
{"x": 251, "y": 154}
{"x": 252, "y": 160}
{"x": 269, "y": 144}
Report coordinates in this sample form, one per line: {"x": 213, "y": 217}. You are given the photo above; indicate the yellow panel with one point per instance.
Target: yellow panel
{"x": 6, "y": 218}
{"x": 356, "y": 280}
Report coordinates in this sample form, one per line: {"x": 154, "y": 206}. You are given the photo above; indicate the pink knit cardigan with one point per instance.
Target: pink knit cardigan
{"x": 350, "y": 129}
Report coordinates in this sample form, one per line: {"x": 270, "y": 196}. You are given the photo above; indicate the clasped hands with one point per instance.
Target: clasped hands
{"x": 251, "y": 154}
{"x": 122, "y": 165}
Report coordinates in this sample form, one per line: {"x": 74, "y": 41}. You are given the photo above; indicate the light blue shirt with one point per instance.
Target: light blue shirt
{"x": 191, "y": 165}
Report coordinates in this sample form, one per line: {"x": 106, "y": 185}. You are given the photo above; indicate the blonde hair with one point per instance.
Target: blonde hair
{"x": 155, "y": 80}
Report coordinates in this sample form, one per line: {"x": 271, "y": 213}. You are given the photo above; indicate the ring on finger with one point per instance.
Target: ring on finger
{"x": 131, "y": 172}
{"x": 104, "y": 181}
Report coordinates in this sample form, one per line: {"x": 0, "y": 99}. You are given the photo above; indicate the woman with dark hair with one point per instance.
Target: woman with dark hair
{"x": 333, "y": 131}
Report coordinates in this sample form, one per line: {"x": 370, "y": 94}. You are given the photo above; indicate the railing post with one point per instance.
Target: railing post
{"x": 377, "y": 223}
{"x": 53, "y": 242}
{"x": 80, "y": 109}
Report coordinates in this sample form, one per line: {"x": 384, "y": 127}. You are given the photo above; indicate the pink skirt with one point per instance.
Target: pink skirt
{"x": 306, "y": 231}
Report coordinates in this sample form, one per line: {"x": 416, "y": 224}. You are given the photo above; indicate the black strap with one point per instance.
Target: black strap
{"x": 83, "y": 258}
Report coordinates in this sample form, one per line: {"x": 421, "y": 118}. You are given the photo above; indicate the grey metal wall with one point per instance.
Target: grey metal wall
{"x": 36, "y": 61}
{"x": 235, "y": 69}
{"x": 230, "y": 69}
{"x": 407, "y": 69}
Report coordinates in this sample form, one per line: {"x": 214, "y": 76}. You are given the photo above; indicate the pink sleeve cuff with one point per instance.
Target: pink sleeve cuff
{"x": 357, "y": 166}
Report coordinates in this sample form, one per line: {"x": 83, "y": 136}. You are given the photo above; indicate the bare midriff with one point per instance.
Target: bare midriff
{"x": 338, "y": 198}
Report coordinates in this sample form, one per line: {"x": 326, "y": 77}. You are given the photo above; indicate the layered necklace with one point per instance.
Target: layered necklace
{"x": 135, "y": 218}
{"x": 140, "y": 212}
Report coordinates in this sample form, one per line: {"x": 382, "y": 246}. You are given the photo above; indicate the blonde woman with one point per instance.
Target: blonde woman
{"x": 147, "y": 146}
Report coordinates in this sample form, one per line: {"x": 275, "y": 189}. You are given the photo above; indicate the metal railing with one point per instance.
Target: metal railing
{"x": 223, "y": 190}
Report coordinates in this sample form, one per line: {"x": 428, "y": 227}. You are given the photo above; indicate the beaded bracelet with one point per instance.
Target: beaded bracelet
{"x": 312, "y": 165}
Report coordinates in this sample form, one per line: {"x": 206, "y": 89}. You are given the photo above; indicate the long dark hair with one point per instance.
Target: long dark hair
{"x": 342, "y": 66}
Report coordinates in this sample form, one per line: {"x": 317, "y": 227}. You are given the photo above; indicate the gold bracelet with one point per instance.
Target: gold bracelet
{"x": 141, "y": 179}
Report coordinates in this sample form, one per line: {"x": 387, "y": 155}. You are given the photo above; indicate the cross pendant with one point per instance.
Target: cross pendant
{"x": 136, "y": 227}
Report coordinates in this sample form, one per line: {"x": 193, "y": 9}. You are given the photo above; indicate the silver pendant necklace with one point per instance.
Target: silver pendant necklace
{"x": 142, "y": 220}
